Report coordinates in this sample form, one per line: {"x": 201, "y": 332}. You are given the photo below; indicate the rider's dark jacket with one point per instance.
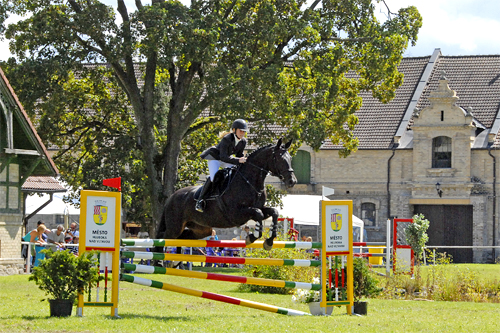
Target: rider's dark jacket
{"x": 225, "y": 149}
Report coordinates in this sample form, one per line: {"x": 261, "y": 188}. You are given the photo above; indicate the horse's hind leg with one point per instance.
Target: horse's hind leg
{"x": 195, "y": 231}
{"x": 170, "y": 227}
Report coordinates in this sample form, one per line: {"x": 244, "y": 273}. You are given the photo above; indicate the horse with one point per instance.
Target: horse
{"x": 244, "y": 199}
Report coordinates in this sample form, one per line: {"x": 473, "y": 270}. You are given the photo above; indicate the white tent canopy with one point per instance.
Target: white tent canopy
{"x": 56, "y": 207}
{"x": 305, "y": 209}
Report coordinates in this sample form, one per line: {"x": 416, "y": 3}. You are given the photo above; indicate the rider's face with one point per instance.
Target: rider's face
{"x": 239, "y": 133}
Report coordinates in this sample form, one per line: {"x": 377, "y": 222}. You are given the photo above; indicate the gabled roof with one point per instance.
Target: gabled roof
{"x": 26, "y": 145}
{"x": 476, "y": 80}
{"x": 43, "y": 184}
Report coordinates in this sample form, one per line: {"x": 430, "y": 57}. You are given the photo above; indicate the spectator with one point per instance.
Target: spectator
{"x": 34, "y": 236}
{"x": 69, "y": 240}
{"x": 245, "y": 232}
{"x": 309, "y": 239}
{"x": 44, "y": 235}
{"x": 73, "y": 232}
{"x": 214, "y": 235}
{"x": 56, "y": 237}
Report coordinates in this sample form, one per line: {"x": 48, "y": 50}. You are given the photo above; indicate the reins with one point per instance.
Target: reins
{"x": 259, "y": 193}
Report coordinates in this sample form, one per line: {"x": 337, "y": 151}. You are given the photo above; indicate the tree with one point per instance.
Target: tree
{"x": 175, "y": 70}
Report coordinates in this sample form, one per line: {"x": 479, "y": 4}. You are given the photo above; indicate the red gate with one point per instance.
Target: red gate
{"x": 403, "y": 253}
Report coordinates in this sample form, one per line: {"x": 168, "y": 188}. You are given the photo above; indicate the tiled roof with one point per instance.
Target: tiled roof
{"x": 476, "y": 80}
{"x": 378, "y": 122}
{"x": 42, "y": 184}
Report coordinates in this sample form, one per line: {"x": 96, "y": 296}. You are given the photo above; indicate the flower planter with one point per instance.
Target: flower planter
{"x": 361, "y": 308}
{"x": 60, "y": 307}
{"x": 317, "y": 310}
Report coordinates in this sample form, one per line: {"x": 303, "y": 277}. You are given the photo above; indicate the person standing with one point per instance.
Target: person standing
{"x": 35, "y": 236}
{"x": 232, "y": 143}
{"x": 56, "y": 237}
{"x": 73, "y": 232}
{"x": 44, "y": 235}
{"x": 245, "y": 232}
{"x": 69, "y": 240}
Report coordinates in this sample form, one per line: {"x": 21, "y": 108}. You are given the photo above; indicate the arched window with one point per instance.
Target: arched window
{"x": 301, "y": 164}
{"x": 441, "y": 152}
{"x": 368, "y": 214}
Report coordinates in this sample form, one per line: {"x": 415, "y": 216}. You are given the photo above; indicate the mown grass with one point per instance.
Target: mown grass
{"x": 144, "y": 309}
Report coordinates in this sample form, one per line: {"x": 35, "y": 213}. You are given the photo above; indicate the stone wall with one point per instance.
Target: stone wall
{"x": 362, "y": 177}
{"x": 11, "y": 267}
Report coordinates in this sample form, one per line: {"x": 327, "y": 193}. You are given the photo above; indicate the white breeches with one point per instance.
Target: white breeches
{"x": 215, "y": 165}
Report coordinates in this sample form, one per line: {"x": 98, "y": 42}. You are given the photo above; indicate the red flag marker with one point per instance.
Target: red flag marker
{"x": 113, "y": 182}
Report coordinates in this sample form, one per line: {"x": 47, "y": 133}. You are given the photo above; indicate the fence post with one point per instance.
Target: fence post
{"x": 28, "y": 259}
{"x": 388, "y": 249}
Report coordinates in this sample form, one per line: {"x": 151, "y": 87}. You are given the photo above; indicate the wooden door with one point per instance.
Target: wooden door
{"x": 449, "y": 225}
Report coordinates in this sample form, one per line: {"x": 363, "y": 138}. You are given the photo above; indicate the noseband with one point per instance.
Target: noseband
{"x": 279, "y": 175}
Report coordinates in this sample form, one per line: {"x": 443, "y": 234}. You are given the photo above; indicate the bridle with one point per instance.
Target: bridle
{"x": 270, "y": 172}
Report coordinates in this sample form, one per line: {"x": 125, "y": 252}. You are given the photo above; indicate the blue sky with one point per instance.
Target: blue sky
{"x": 457, "y": 27}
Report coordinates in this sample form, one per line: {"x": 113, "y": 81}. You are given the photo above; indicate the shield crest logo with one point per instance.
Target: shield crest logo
{"x": 336, "y": 221}
{"x": 100, "y": 214}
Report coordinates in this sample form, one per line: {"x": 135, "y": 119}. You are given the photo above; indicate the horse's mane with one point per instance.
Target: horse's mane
{"x": 256, "y": 152}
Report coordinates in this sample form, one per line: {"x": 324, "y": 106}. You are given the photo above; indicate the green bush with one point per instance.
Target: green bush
{"x": 62, "y": 274}
{"x": 416, "y": 234}
{"x": 286, "y": 273}
{"x": 364, "y": 283}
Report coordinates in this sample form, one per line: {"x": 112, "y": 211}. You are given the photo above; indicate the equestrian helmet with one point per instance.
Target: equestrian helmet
{"x": 240, "y": 124}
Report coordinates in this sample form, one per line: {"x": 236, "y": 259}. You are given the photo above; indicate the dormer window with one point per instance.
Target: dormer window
{"x": 441, "y": 152}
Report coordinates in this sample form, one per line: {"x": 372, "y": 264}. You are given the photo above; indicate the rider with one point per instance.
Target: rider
{"x": 232, "y": 143}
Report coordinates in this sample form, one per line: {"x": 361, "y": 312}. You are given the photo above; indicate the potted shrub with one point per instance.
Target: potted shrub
{"x": 61, "y": 275}
{"x": 365, "y": 285}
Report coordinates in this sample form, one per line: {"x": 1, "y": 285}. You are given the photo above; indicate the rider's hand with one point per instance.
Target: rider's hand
{"x": 242, "y": 159}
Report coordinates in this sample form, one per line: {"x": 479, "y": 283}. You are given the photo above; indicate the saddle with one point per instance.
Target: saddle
{"x": 219, "y": 185}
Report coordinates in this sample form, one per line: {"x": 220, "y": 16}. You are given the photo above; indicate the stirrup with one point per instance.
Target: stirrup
{"x": 199, "y": 206}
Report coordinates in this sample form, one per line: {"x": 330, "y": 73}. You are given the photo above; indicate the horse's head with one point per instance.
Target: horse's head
{"x": 281, "y": 165}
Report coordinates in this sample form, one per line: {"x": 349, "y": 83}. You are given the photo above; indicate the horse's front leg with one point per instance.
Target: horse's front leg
{"x": 273, "y": 212}
{"x": 256, "y": 215}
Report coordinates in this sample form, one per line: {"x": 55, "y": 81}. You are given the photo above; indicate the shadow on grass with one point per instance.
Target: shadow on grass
{"x": 159, "y": 318}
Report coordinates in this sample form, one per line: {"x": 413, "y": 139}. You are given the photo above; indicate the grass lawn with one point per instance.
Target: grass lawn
{"x": 144, "y": 309}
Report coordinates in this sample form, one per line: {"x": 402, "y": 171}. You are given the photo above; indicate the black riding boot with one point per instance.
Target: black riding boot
{"x": 204, "y": 190}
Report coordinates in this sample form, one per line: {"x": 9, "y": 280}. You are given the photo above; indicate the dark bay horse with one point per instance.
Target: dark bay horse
{"x": 243, "y": 200}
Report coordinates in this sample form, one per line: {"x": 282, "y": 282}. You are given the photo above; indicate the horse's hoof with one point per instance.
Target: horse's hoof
{"x": 250, "y": 239}
{"x": 268, "y": 244}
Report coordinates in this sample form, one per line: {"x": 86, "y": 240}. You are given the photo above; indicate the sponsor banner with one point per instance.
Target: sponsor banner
{"x": 337, "y": 220}
{"x": 100, "y": 222}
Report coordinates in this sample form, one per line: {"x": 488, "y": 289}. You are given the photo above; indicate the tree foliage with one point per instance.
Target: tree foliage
{"x": 166, "y": 76}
